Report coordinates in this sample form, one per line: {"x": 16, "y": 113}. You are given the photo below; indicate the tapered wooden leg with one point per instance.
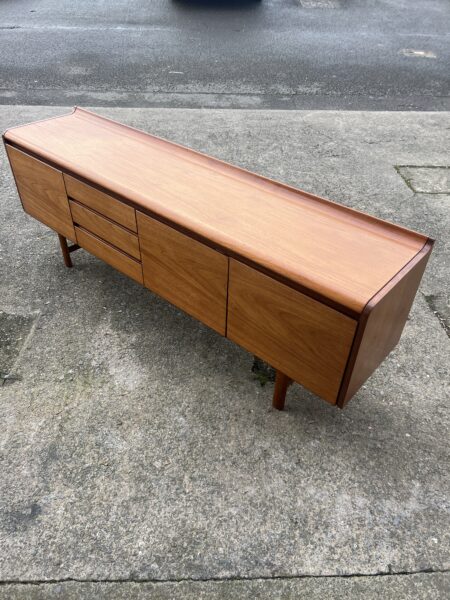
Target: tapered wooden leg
{"x": 282, "y": 382}
{"x": 65, "y": 251}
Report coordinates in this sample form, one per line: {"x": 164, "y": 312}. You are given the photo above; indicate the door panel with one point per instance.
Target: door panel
{"x": 184, "y": 271}
{"x": 42, "y": 191}
{"x": 305, "y": 339}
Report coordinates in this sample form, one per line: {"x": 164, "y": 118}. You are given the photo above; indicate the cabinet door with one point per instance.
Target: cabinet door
{"x": 184, "y": 271}
{"x": 42, "y": 191}
{"x": 308, "y": 341}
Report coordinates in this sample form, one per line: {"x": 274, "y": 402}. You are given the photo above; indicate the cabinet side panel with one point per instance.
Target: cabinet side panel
{"x": 306, "y": 340}
{"x": 42, "y": 191}
{"x": 383, "y": 327}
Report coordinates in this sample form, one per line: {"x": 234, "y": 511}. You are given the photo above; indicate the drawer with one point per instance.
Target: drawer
{"x": 105, "y": 229}
{"x": 103, "y": 203}
{"x": 42, "y": 192}
{"x": 187, "y": 273}
{"x": 117, "y": 259}
{"x": 306, "y": 340}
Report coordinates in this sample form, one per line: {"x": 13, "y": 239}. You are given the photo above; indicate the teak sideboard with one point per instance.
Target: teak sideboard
{"x": 318, "y": 290}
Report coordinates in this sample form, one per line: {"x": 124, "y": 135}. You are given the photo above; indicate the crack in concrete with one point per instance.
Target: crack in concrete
{"x": 431, "y": 303}
{"x": 9, "y": 376}
{"x": 388, "y": 573}
{"x": 407, "y": 180}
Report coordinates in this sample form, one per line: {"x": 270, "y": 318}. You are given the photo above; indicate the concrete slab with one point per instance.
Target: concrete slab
{"x": 427, "y": 180}
{"x": 137, "y": 444}
{"x": 432, "y": 586}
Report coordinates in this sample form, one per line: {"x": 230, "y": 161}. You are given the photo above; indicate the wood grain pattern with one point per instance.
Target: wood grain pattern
{"x": 380, "y": 329}
{"x": 184, "y": 271}
{"x": 310, "y": 241}
{"x": 307, "y": 341}
{"x": 41, "y": 189}
{"x": 117, "y": 259}
{"x": 103, "y": 203}
{"x": 105, "y": 229}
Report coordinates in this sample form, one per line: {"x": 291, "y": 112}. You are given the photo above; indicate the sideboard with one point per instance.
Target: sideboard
{"x": 318, "y": 290}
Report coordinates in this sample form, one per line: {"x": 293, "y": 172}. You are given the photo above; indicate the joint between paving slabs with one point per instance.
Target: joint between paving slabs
{"x": 431, "y": 303}
{"x": 388, "y": 573}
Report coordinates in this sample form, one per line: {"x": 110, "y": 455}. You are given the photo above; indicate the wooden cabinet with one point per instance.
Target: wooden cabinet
{"x": 308, "y": 341}
{"x": 318, "y": 290}
{"x": 184, "y": 271}
{"x": 41, "y": 189}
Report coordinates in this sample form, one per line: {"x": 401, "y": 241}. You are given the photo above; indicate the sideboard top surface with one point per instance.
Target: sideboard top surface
{"x": 334, "y": 251}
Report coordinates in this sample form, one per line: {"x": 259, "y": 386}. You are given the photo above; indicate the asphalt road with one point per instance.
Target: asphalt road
{"x": 355, "y": 54}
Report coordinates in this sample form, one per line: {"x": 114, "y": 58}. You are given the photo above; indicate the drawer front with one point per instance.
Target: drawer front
{"x": 102, "y": 203}
{"x": 308, "y": 341}
{"x": 117, "y": 259}
{"x": 105, "y": 229}
{"x": 187, "y": 273}
{"x": 41, "y": 189}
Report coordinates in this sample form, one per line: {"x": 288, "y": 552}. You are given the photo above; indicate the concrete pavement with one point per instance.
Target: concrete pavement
{"x": 431, "y": 586}
{"x": 136, "y": 444}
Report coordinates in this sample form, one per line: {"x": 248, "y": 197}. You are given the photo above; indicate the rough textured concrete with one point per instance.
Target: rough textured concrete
{"x": 430, "y": 586}
{"x": 14, "y": 330}
{"x": 137, "y": 444}
{"x": 320, "y": 54}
